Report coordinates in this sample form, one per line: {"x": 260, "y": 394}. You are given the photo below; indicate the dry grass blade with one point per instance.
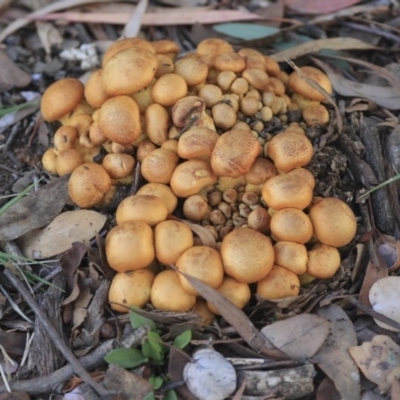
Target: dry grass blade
{"x": 50, "y": 8}
{"x": 317, "y": 87}
{"x": 132, "y": 27}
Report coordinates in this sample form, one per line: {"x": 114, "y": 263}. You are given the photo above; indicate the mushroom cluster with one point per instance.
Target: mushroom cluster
{"x": 197, "y": 127}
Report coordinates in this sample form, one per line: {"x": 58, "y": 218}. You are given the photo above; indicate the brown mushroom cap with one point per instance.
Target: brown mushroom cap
{"x": 165, "y": 46}
{"x": 172, "y": 239}
{"x": 203, "y": 263}
{"x": 159, "y": 165}
{"x": 118, "y": 165}
{"x": 120, "y": 241}
{"x": 168, "y": 89}
{"x": 157, "y": 123}
{"x": 196, "y": 208}
{"x": 333, "y": 221}
{"x": 260, "y": 220}
{"x": 197, "y": 143}
{"x": 236, "y": 292}
{"x": 88, "y": 185}
{"x": 167, "y": 293}
{"x": 300, "y": 86}
{"x": 291, "y": 225}
{"x": 323, "y": 261}
{"x": 272, "y": 68}
{"x": 141, "y": 207}
{"x": 192, "y": 69}
{"x": 247, "y": 255}
{"x": 49, "y": 159}
{"x": 162, "y": 191}
{"x": 203, "y": 312}
{"x": 68, "y": 160}
{"x": 279, "y": 283}
{"x": 65, "y": 138}
{"x": 253, "y": 58}
{"x": 316, "y": 114}
{"x": 128, "y": 71}
{"x": 209, "y": 49}
{"x": 119, "y": 119}
{"x": 212, "y": 94}
{"x": 289, "y": 150}
{"x": 60, "y": 98}
{"x": 224, "y": 116}
{"x": 261, "y": 170}
{"x": 130, "y": 289}
{"x": 256, "y": 78}
{"x": 192, "y": 176}
{"x": 234, "y": 153}
{"x": 292, "y": 256}
{"x": 124, "y": 44}
{"x": 230, "y": 62}
{"x": 94, "y": 92}
{"x": 287, "y": 190}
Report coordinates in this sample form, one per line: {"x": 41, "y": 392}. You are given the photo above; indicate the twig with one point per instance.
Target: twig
{"x": 132, "y": 27}
{"x": 374, "y": 314}
{"x": 59, "y": 343}
{"x": 50, "y": 382}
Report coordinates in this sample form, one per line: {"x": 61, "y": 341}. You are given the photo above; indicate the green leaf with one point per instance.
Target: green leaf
{"x": 245, "y": 31}
{"x": 149, "y": 396}
{"x": 9, "y": 110}
{"x": 126, "y": 358}
{"x": 137, "y": 321}
{"x": 156, "y": 382}
{"x": 153, "y": 347}
{"x": 182, "y": 340}
{"x": 170, "y": 395}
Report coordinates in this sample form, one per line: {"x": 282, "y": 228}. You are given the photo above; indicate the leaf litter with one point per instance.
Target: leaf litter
{"x": 287, "y": 330}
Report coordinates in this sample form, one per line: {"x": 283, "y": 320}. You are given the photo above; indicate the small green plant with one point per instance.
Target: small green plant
{"x": 153, "y": 350}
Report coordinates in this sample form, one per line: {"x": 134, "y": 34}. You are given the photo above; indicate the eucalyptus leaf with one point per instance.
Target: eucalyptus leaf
{"x": 156, "y": 382}
{"x": 126, "y": 358}
{"x": 245, "y": 31}
{"x": 153, "y": 347}
{"x": 170, "y": 395}
{"x": 137, "y": 321}
{"x": 182, "y": 340}
{"x": 149, "y": 396}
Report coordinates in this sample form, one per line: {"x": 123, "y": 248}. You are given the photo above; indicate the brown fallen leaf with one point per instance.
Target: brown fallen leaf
{"x": 379, "y": 361}
{"x": 384, "y": 96}
{"x": 384, "y": 297}
{"x": 233, "y": 315}
{"x": 395, "y": 391}
{"x": 314, "y": 46}
{"x": 299, "y": 337}
{"x": 327, "y": 391}
{"x": 35, "y": 210}
{"x": 11, "y": 75}
{"x": 372, "y": 275}
{"x": 58, "y": 236}
{"x": 333, "y": 356}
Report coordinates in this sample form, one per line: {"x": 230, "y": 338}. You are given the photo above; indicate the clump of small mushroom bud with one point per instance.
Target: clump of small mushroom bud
{"x": 198, "y": 126}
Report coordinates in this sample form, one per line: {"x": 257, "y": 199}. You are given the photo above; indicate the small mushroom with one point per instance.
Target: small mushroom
{"x": 172, "y": 239}
{"x": 278, "y": 284}
{"x": 167, "y": 293}
{"x": 197, "y": 143}
{"x": 120, "y": 241}
{"x": 159, "y": 165}
{"x": 292, "y": 256}
{"x": 333, "y": 221}
{"x": 247, "y": 255}
{"x": 130, "y": 289}
{"x": 323, "y": 261}
{"x": 162, "y": 191}
{"x": 203, "y": 263}
{"x": 142, "y": 207}
{"x": 168, "y": 89}
{"x": 88, "y": 185}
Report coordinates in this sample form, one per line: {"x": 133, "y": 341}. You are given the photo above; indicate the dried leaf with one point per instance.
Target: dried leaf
{"x": 35, "y": 210}
{"x": 384, "y": 96}
{"x": 58, "y": 236}
{"x": 11, "y": 75}
{"x": 395, "y": 391}
{"x": 333, "y": 356}
{"x": 318, "y": 6}
{"x": 132, "y": 27}
{"x": 327, "y": 391}
{"x": 233, "y": 315}
{"x": 373, "y": 274}
{"x": 70, "y": 261}
{"x": 162, "y": 17}
{"x": 314, "y": 46}
{"x": 299, "y": 337}
{"x": 379, "y": 360}
{"x": 205, "y": 236}
{"x": 385, "y": 297}
{"x": 49, "y": 35}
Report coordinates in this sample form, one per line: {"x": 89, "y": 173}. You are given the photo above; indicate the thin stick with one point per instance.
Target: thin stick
{"x": 374, "y": 314}
{"x": 55, "y": 337}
